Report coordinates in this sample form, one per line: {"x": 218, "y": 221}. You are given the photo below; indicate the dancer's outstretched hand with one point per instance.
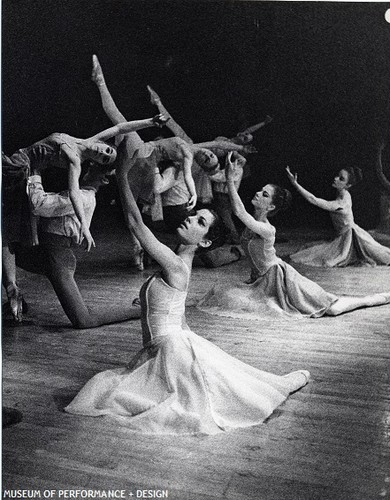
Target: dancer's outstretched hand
{"x": 154, "y": 97}
{"x": 160, "y": 120}
{"x": 293, "y": 178}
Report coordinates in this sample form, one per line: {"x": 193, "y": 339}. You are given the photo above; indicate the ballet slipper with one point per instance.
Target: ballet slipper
{"x": 97, "y": 72}
{"x": 154, "y": 97}
{"x": 298, "y": 379}
{"x": 386, "y": 296}
{"x": 15, "y": 300}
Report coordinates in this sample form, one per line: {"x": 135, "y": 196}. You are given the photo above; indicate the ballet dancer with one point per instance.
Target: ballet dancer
{"x": 352, "y": 245}
{"x": 57, "y": 150}
{"x": 145, "y": 157}
{"x": 179, "y": 383}
{"x": 54, "y": 256}
{"x": 275, "y": 288}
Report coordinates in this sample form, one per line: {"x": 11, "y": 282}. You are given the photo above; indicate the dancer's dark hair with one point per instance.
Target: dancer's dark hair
{"x": 355, "y": 175}
{"x": 281, "y": 199}
{"x": 216, "y": 233}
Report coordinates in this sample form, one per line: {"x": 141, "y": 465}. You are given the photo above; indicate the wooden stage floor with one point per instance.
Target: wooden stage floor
{"x": 328, "y": 441}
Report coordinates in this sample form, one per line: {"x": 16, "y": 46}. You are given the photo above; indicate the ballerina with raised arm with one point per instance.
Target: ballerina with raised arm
{"x": 275, "y": 287}
{"x": 179, "y": 383}
{"x": 57, "y": 150}
{"x": 146, "y": 157}
{"x": 352, "y": 245}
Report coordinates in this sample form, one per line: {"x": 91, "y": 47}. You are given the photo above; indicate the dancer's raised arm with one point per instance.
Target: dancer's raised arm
{"x": 126, "y": 127}
{"x": 330, "y": 206}
{"x": 238, "y": 207}
{"x": 171, "y": 263}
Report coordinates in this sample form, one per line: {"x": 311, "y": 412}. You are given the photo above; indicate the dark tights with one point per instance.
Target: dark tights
{"x": 55, "y": 259}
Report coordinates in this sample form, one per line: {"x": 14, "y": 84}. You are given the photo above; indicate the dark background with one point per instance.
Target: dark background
{"x": 322, "y": 70}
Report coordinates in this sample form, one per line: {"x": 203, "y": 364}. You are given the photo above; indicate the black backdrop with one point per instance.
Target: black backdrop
{"x": 322, "y": 70}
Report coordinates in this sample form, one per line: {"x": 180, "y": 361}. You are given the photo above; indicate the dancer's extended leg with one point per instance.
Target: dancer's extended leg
{"x": 346, "y": 304}
{"x": 109, "y": 106}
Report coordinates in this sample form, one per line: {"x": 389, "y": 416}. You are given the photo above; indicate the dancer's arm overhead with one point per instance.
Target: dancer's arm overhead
{"x": 127, "y": 127}
{"x": 171, "y": 263}
{"x": 330, "y": 206}
{"x": 238, "y": 207}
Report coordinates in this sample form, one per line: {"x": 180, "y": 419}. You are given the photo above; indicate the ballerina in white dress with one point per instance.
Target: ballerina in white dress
{"x": 275, "y": 287}
{"x": 179, "y": 383}
{"x": 352, "y": 245}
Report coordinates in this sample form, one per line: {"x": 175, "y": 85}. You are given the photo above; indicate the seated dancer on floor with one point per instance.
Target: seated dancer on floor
{"x": 54, "y": 257}
{"x": 274, "y": 288}
{"x": 57, "y": 150}
{"x": 353, "y": 245}
{"x": 179, "y": 383}
{"x": 145, "y": 157}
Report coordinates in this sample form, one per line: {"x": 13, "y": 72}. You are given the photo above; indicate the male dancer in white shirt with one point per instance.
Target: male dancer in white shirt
{"x": 54, "y": 257}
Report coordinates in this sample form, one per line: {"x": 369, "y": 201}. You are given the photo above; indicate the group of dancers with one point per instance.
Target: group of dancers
{"x": 179, "y": 382}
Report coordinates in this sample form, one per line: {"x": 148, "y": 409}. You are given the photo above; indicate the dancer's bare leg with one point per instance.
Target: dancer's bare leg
{"x": 109, "y": 106}
{"x": 173, "y": 126}
{"x": 130, "y": 143}
{"x": 346, "y": 304}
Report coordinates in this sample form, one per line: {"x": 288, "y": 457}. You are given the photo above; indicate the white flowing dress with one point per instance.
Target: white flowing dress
{"x": 180, "y": 383}
{"x": 277, "y": 289}
{"x": 353, "y": 246}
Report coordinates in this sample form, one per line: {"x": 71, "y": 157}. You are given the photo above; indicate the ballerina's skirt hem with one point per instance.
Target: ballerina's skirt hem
{"x": 353, "y": 247}
{"x": 189, "y": 386}
{"x": 281, "y": 291}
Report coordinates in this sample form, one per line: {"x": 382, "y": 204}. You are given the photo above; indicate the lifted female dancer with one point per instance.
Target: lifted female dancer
{"x": 145, "y": 157}
{"x": 179, "y": 383}
{"x": 353, "y": 245}
{"x": 57, "y": 150}
{"x": 274, "y": 287}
